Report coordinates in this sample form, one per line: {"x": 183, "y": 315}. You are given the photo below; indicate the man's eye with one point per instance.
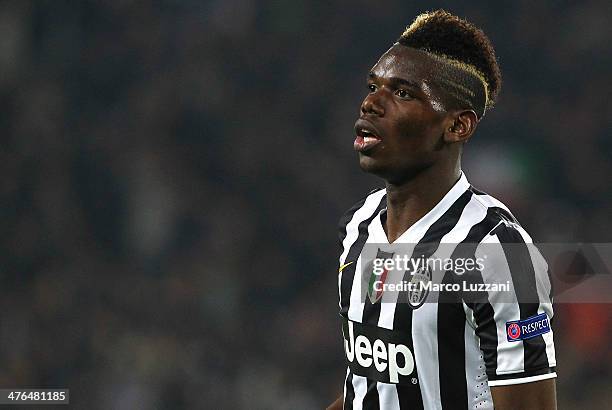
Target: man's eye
{"x": 372, "y": 88}
{"x": 402, "y": 94}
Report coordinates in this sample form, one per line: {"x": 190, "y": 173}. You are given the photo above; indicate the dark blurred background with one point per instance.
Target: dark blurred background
{"x": 173, "y": 174}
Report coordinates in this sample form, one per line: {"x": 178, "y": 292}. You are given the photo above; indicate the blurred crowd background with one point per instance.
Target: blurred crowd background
{"x": 173, "y": 174}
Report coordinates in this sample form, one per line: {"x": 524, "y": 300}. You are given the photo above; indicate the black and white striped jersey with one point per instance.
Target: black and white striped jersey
{"x": 447, "y": 354}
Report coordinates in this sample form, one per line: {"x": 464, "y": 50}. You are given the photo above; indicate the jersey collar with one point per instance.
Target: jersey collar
{"x": 419, "y": 228}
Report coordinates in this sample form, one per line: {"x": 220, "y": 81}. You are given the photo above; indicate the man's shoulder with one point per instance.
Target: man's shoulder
{"x": 500, "y": 220}
{"x": 369, "y": 203}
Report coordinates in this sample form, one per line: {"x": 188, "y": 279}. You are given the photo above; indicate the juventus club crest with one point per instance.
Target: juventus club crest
{"x": 419, "y": 282}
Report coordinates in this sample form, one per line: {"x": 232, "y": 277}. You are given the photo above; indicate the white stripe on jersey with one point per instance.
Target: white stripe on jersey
{"x": 426, "y": 354}
{"x": 348, "y": 372}
{"x": 360, "y": 386}
{"x": 550, "y": 347}
{"x": 522, "y": 380}
{"x": 387, "y": 396}
{"x": 355, "y": 311}
{"x": 478, "y": 392}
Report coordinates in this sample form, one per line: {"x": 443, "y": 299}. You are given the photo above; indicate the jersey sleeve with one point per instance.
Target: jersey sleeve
{"x": 513, "y": 319}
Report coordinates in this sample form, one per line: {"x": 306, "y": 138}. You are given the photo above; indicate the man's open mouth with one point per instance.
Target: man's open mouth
{"x": 365, "y": 140}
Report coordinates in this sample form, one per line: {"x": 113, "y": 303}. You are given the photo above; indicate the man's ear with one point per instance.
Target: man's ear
{"x": 462, "y": 125}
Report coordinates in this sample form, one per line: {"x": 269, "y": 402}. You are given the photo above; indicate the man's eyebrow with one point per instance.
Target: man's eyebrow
{"x": 397, "y": 81}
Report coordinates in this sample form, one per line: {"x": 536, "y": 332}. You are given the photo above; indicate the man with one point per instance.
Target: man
{"x": 427, "y": 94}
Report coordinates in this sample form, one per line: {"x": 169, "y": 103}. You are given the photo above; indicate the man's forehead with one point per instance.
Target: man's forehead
{"x": 411, "y": 66}
{"x": 403, "y": 62}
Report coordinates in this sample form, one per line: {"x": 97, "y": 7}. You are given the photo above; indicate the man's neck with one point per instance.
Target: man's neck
{"x": 410, "y": 201}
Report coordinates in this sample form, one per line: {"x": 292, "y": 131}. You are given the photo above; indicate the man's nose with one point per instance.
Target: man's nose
{"x": 372, "y": 104}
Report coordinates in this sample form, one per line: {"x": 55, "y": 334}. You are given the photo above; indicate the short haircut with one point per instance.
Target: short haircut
{"x": 469, "y": 70}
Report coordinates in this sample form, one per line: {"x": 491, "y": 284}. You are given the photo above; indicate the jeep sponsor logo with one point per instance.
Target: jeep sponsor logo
{"x": 372, "y": 353}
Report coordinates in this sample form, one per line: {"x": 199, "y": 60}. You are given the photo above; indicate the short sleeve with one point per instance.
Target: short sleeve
{"x": 512, "y": 318}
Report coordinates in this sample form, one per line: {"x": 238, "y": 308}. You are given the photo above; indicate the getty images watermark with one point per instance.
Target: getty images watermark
{"x": 420, "y": 269}
{"x": 487, "y": 272}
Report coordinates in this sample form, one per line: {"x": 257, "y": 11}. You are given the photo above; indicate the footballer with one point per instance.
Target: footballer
{"x": 425, "y": 97}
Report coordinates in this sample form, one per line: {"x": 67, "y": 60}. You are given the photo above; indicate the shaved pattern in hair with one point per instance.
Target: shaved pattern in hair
{"x": 468, "y": 69}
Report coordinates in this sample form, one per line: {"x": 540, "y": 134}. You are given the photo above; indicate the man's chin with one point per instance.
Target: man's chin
{"x": 393, "y": 173}
{"x": 371, "y": 165}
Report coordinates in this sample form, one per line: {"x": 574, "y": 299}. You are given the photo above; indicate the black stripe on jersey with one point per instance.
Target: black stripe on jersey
{"x": 524, "y": 282}
{"x": 451, "y": 349}
{"x": 370, "y": 400}
{"x": 451, "y": 324}
{"x": 404, "y": 395}
{"x": 350, "y": 393}
{"x": 353, "y": 255}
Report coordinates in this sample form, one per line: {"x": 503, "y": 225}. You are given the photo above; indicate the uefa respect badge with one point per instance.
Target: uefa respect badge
{"x": 533, "y": 326}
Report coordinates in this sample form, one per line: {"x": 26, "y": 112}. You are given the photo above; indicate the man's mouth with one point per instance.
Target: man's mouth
{"x": 365, "y": 141}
